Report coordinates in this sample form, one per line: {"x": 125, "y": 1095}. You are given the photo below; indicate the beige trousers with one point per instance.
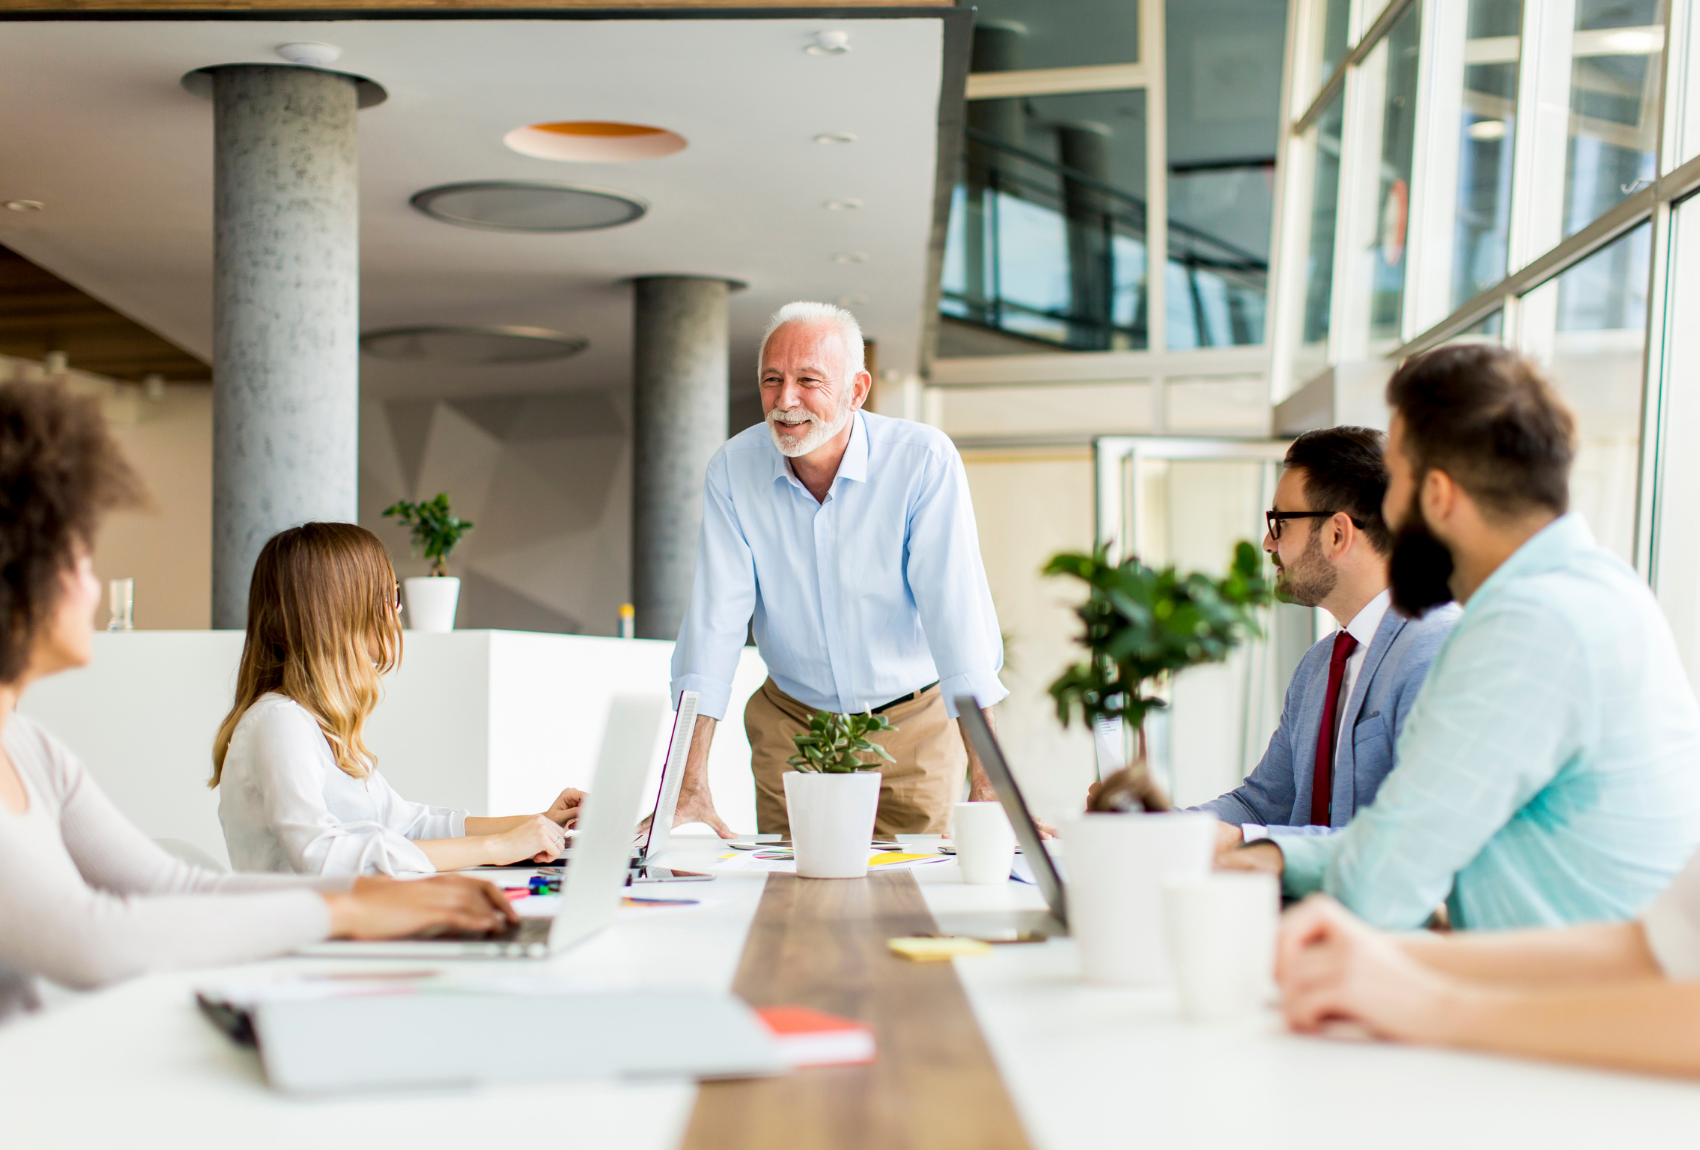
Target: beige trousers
{"x": 916, "y": 792}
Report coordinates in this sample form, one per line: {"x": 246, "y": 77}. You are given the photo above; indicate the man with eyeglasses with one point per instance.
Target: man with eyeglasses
{"x": 1350, "y": 693}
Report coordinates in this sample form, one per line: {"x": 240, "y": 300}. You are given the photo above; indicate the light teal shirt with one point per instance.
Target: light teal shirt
{"x": 1549, "y": 771}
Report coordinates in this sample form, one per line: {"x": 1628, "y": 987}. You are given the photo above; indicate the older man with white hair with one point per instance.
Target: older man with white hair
{"x": 846, "y": 541}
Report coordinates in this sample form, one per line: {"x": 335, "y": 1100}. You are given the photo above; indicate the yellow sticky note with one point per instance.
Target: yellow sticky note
{"x": 937, "y": 949}
{"x": 886, "y": 858}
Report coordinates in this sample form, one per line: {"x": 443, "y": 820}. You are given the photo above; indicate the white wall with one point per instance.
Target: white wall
{"x": 485, "y": 721}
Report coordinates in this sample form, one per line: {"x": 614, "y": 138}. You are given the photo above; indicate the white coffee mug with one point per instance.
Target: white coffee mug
{"x": 984, "y": 841}
{"x": 1116, "y": 867}
{"x": 1221, "y": 930}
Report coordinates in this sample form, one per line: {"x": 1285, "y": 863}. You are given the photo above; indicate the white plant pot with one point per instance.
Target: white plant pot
{"x": 431, "y": 601}
{"x": 832, "y": 821}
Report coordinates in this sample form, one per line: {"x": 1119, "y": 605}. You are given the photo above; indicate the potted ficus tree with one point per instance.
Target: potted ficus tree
{"x": 833, "y": 794}
{"x": 436, "y": 531}
{"x": 1143, "y": 626}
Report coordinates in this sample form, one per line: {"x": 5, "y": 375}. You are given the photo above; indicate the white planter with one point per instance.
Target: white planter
{"x": 832, "y": 821}
{"x": 431, "y": 601}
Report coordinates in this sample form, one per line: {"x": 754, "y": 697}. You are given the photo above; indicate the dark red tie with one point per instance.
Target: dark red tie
{"x": 1322, "y": 786}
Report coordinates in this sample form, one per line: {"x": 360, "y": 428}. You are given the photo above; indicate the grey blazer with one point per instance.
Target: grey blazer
{"x": 1277, "y": 792}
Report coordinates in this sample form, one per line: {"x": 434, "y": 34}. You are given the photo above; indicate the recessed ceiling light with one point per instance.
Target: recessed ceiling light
{"x": 1486, "y": 130}
{"x": 850, "y": 258}
{"x": 23, "y": 205}
{"x": 594, "y": 141}
{"x": 471, "y": 346}
{"x": 528, "y": 206}
{"x": 843, "y": 205}
{"x": 829, "y": 44}
{"x": 313, "y": 55}
{"x": 836, "y": 138}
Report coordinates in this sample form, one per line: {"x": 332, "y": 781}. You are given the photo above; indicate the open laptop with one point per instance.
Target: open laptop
{"x": 1045, "y": 874}
{"x": 591, "y": 887}
{"x": 653, "y": 844}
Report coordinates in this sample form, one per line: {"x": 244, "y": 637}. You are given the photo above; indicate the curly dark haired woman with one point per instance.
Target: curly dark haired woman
{"x": 85, "y": 897}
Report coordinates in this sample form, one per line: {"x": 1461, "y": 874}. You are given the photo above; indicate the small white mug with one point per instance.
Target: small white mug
{"x": 985, "y": 842}
{"x": 1221, "y": 930}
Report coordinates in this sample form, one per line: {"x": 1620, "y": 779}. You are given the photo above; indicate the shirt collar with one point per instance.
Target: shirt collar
{"x": 1548, "y": 549}
{"x": 1367, "y": 621}
{"x": 854, "y": 465}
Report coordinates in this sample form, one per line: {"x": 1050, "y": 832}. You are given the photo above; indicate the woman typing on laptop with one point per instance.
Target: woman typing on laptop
{"x": 85, "y": 897}
{"x": 298, "y": 789}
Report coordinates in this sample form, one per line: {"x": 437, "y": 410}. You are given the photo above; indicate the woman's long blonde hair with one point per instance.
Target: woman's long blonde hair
{"x": 321, "y": 593}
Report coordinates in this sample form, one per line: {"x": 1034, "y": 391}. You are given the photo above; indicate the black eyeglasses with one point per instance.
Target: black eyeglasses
{"x": 1274, "y": 518}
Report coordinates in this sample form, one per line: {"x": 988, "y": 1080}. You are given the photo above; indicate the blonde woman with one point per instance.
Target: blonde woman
{"x": 85, "y": 897}
{"x": 298, "y": 789}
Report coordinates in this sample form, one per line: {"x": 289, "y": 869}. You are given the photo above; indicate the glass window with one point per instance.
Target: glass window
{"x": 1223, "y": 65}
{"x": 1676, "y": 543}
{"x": 1614, "y": 105}
{"x": 1393, "y": 197}
{"x": 1596, "y": 313}
{"x": 1324, "y": 211}
{"x": 1488, "y": 127}
{"x": 1014, "y": 35}
{"x": 1335, "y": 26}
{"x": 1046, "y": 246}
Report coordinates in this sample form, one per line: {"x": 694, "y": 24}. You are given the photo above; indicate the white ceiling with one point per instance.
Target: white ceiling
{"x": 96, "y": 126}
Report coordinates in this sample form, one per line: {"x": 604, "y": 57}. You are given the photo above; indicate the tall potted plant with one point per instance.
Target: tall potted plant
{"x": 833, "y": 794}
{"x": 1142, "y": 626}
{"x": 436, "y": 532}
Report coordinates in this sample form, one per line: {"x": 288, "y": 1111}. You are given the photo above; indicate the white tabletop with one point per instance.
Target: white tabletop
{"x": 1086, "y": 1065}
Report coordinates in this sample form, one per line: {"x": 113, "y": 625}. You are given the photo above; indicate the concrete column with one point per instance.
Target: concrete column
{"x": 286, "y": 313}
{"x": 679, "y": 370}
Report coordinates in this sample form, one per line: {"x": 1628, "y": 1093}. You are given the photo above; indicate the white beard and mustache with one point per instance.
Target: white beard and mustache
{"x": 817, "y": 434}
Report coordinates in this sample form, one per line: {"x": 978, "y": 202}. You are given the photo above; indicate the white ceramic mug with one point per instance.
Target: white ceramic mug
{"x": 1116, "y": 867}
{"x": 1221, "y": 929}
{"x": 984, "y": 841}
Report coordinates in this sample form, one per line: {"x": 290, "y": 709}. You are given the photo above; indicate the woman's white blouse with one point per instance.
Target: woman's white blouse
{"x": 287, "y": 806}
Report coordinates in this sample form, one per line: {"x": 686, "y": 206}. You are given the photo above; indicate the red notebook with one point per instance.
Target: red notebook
{"x": 815, "y": 1038}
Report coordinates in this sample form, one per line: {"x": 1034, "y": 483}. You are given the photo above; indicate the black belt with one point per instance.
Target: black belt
{"x": 901, "y": 699}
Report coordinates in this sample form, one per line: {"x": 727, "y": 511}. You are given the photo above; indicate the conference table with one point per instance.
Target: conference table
{"x": 1008, "y": 1049}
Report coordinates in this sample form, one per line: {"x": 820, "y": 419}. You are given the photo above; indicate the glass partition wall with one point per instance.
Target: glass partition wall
{"x": 1515, "y": 171}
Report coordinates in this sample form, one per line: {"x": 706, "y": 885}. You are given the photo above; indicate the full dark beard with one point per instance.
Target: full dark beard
{"x": 1420, "y": 570}
{"x": 1309, "y": 581}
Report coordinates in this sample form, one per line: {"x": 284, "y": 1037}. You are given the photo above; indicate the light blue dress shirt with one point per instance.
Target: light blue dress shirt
{"x": 873, "y": 593}
{"x": 1549, "y": 772}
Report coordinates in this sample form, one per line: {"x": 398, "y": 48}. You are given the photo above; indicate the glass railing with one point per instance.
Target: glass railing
{"x": 1045, "y": 255}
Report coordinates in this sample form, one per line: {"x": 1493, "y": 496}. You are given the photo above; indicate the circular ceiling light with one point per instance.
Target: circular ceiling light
{"x": 594, "y": 141}
{"x": 850, "y": 258}
{"x": 471, "y": 346}
{"x": 843, "y": 205}
{"x": 836, "y": 138}
{"x": 829, "y": 44}
{"x": 23, "y": 205}
{"x": 528, "y": 206}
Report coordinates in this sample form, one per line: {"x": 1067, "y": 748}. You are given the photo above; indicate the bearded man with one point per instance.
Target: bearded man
{"x": 1350, "y": 694}
{"x": 1550, "y": 771}
{"x": 846, "y": 543}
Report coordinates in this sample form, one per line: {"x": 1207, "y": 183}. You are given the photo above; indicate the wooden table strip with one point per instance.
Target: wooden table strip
{"x": 821, "y": 943}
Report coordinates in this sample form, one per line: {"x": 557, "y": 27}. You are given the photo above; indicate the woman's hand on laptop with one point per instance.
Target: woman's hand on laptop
{"x": 537, "y": 839}
{"x": 565, "y": 811}
{"x": 386, "y": 908}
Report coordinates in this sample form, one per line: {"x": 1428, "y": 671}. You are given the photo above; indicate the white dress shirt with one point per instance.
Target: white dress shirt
{"x": 286, "y": 805}
{"x": 857, "y": 600}
{"x": 1362, "y": 628}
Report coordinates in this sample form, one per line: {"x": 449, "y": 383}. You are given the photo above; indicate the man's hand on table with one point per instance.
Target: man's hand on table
{"x": 697, "y": 806}
{"x": 1229, "y": 837}
{"x": 1263, "y": 856}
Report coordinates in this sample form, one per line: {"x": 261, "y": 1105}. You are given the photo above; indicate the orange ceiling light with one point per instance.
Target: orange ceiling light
{"x": 594, "y": 141}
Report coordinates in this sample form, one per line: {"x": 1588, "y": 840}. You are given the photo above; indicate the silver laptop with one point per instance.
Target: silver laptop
{"x": 654, "y": 844}
{"x": 1033, "y": 852}
{"x": 591, "y": 886}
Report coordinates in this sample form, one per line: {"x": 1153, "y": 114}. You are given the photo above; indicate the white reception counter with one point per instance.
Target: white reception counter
{"x": 492, "y": 722}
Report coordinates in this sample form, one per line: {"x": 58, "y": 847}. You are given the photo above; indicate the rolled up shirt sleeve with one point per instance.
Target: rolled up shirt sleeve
{"x": 723, "y": 599}
{"x": 948, "y": 580}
